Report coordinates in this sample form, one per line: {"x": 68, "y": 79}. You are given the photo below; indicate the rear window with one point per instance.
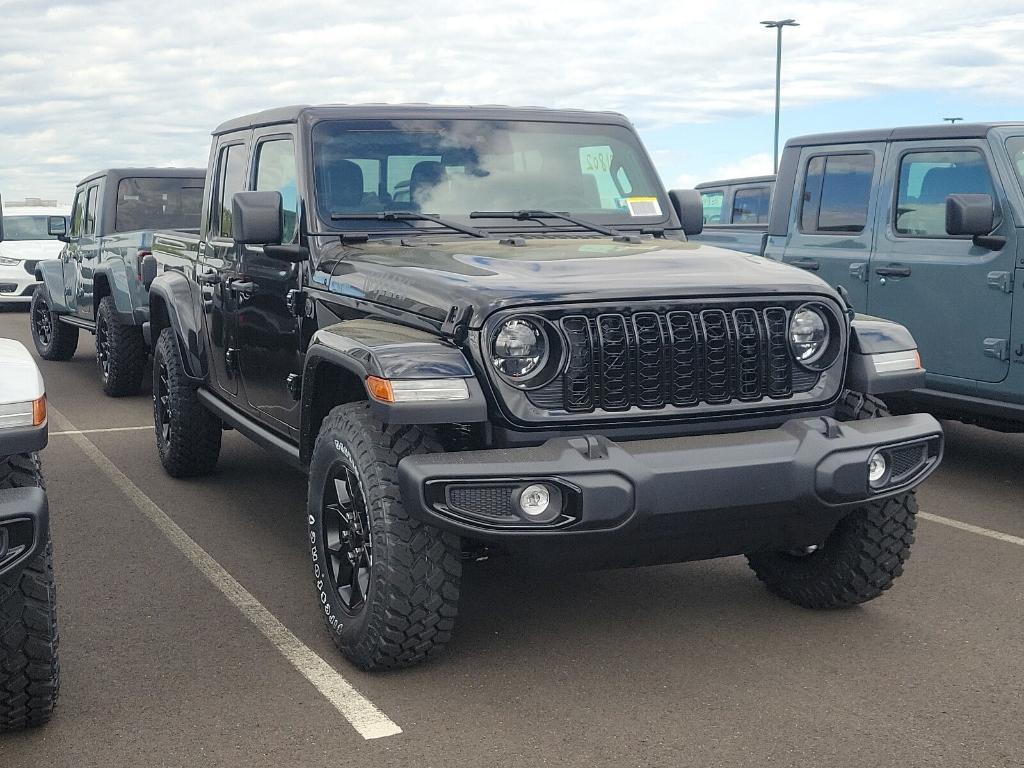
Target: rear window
{"x": 158, "y": 203}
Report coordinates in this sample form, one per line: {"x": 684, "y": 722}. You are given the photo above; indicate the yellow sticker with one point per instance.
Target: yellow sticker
{"x": 643, "y": 206}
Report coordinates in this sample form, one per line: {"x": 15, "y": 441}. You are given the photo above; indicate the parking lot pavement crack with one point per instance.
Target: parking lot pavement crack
{"x": 363, "y": 715}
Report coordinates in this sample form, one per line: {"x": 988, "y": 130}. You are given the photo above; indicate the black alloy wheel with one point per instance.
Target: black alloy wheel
{"x": 42, "y": 320}
{"x": 163, "y": 402}
{"x": 103, "y": 348}
{"x": 347, "y": 537}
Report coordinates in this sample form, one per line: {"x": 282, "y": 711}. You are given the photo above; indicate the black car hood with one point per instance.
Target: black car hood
{"x": 485, "y": 275}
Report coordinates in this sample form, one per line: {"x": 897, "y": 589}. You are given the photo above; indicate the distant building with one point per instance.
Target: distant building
{"x": 31, "y": 202}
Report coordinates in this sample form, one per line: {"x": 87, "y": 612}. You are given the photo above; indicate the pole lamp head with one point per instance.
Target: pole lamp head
{"x": 781, "y": 23}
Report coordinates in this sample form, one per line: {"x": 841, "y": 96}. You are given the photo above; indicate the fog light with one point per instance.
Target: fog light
{"x": 877, "y": 470}
{"x": 538, "y": 503}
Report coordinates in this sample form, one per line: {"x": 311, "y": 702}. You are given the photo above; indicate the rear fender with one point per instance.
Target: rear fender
{"x": 172, "y": 305}
{"x": 114, "y": 279}
{"x": 51, "y": 273}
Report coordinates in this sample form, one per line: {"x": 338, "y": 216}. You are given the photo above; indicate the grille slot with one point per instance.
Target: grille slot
{"x": 488, "y": 501}
{"x": 676, "y": 357}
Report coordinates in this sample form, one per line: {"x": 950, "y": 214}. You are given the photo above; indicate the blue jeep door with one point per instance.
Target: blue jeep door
{"x": 86, "y": 253}
{"x": 953, "y": 295}
{"x": 830, "y": 233}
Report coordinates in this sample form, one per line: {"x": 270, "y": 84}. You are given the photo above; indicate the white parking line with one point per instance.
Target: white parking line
{"x": 364, "y": 716}
{"x": 997, "y": 535}
{"x": 104, "y": 429}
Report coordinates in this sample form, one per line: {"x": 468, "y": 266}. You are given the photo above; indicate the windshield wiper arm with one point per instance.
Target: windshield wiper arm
{"x": 536, "y": 214}
{"x": 409, "y": 216}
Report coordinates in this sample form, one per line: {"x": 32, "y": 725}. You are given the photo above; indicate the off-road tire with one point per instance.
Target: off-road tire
{"x": 189, "y": 442}
{"x": 62, "y": 340}
{"x": 862, "y": 556}
{"x": 29, "y": 662}
{"x": 410, "y": 605}
{"x": 121, "y": 349}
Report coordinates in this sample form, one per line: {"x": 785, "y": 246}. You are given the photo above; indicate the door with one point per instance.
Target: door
{"x": 69, "y": 255}
{"x": 86, "y": 255}
{"x": 831, "y": 236}
{"x": 953, "y": 295}
{"x": 269, "y": 338}
{"x": 217, "y": 264}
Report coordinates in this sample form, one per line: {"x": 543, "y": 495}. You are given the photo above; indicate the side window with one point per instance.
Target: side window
{"x": 89, "y": 226}
{"x": 78, "y": 214}
{"x": 275, "y": 172}
{"x": 927, "y": 178}
{"x": 712, "y": 203}
{"x": 837, "y": 190}
{"x": 750, "y": 206}
{"x": 230, "y": 179}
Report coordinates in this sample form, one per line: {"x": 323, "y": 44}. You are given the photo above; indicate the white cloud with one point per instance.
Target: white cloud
{"x": 85, "y": 84}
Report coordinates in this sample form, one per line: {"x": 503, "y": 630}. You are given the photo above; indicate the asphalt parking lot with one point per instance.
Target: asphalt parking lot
{"x": 684, "y": 665}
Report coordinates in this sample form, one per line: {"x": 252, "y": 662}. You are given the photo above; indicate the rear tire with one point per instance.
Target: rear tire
{"x": 120, "y": 352}
{"x": 54, "y": 340}
{"x": 863, "y": 555}
{"x": 29, "y": 661}
{"x": 187, "y": 435}
{"x": 387, "y": 583}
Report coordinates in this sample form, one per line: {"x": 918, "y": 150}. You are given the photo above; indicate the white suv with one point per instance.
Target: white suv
{"x": 26, "y": 242}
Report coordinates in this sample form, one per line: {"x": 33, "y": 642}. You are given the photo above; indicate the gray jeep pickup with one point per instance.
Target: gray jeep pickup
{"x": 736, "y": 212}
{"x": 96, "y": 283}
{"x": 924, "y": 226}
{"x": 483, "y": 328}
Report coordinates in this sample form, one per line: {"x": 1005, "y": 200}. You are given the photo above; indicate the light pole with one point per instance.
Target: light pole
{"x": 778, "y": 25}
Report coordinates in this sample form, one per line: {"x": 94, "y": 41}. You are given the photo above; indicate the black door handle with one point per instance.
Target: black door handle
{"x": 893, "y": 271}
{"x": 208, "y": 278}
{"x": 241, "y": 286}
{"x": 809, "y": 264}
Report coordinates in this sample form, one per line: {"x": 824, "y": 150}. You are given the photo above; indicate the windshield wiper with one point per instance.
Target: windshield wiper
{"x": 537, "y": 215}
{"x": 409, "y": 216}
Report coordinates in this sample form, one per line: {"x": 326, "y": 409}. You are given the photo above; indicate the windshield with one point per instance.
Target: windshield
{"x": 451, "y": 168}
{"x": 158, "y": 203}
{"x": 1015, "y": 147}
{"x": 26, "y": 228}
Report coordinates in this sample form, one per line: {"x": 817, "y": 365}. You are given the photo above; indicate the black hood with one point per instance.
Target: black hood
{"x": 485, "y": 276}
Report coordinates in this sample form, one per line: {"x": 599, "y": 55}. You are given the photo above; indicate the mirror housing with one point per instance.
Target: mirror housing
{"x": 689, "y": 209}
{"x": 57, "y": 226}
{"x": 257, "y": 218}
{"x": 974, "y": 216}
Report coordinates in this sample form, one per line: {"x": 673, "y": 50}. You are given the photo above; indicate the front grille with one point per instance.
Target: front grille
{"x": 8, "y": 287}
{"x": 682, "y": 357}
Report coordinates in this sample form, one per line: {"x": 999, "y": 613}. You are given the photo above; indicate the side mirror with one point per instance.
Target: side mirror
{"x": 689, "y": 209}
{"x": 970, "y": 215}
{"x": 257, "y": 218}
{"x": 57, "y": 226}
{"x": 973, "y": 215}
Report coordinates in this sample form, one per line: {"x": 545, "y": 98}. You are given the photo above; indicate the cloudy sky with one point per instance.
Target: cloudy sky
{"x": 86, "y": 85}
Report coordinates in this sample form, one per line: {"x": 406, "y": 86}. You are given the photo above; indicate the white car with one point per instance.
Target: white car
{"x": 26, "y": 242}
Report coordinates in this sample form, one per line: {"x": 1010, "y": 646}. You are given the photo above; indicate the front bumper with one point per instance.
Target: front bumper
{"x": 24, "y": 522}
{"x": 703, "y": 496}
{"x": 16, "y": 283}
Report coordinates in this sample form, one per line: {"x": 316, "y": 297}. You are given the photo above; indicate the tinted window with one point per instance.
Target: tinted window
{"x": 158, "y": 204}
{"x": 750, "y": 205}
{"x": 712, "y": 202}
{"x": 927, "y": 178}
{"x": 1015, "y": 147}
{"x": 454, "y": 167}
{"x": 26, "y": 228}
{"x": 78, "y": 214}
{"x": 89, "y": 227}
{"x": 275, "y": 172}
{"x": 230, "y": 179}
{"x": 837, "y": 190}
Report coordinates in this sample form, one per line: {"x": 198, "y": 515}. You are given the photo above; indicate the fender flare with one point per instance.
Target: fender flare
{"x": 51, "y": 273}
{"x": 368, "y": 347}
{"x": 871, "y": 336}
{"x": 118, "y": 279}
{"x": 172, "y": 305}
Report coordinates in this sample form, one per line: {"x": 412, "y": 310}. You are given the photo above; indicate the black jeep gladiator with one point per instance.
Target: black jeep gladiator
{"x": 483, "y": 327}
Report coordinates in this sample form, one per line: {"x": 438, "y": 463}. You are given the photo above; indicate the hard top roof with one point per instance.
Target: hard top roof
{"x": 116, "y": 174}
{"x": 739, "y": 180}
{"x": 292, "y": 114}
{"x": 905, "y": 133}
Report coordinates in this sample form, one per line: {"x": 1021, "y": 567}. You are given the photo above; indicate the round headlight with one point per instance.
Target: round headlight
{"x": 808, "y": 334}
{"x": 519, "y": 348}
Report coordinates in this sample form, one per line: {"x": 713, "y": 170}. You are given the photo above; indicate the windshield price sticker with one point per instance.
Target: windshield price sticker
{"x": 643, "y": 206}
